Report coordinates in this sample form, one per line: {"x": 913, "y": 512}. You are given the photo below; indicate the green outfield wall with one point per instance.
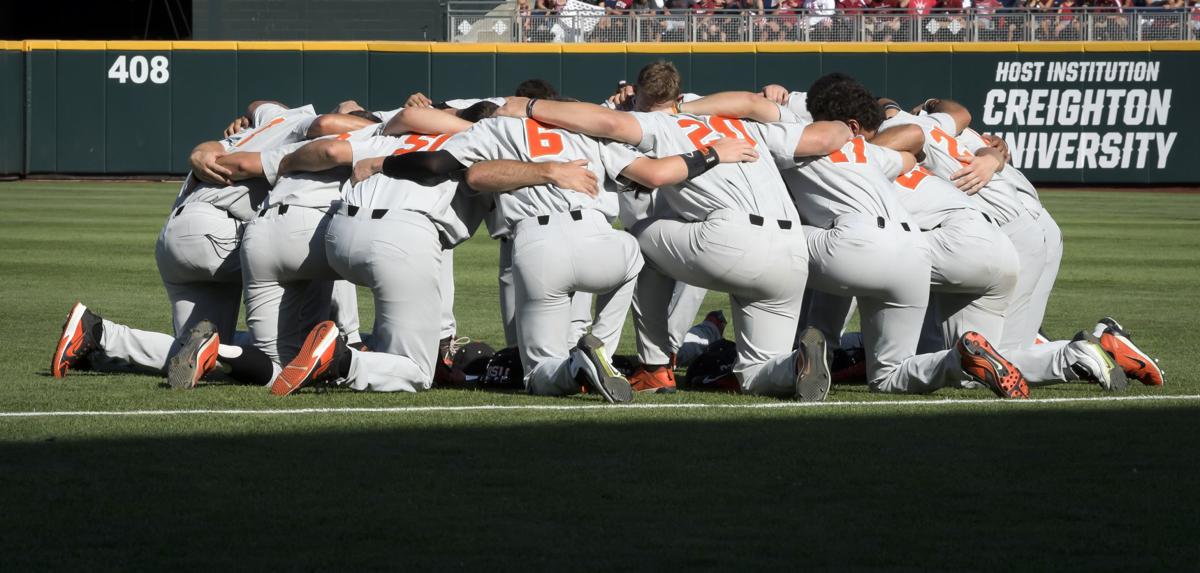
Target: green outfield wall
{"x": 1092, "y": 113}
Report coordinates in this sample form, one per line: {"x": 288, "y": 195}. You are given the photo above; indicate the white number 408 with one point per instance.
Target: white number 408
{"x": 138, "y": 70}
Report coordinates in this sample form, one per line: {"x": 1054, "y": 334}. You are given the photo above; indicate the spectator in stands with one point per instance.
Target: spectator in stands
{"x": 820, "y": 23}
{"x": 612, "y": 27}
{"x": 1067, "y": 25}
{"x": 788, "y": 24}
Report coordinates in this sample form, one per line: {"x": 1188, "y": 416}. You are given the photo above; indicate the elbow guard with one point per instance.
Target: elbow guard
{"x": 423, "y": 167}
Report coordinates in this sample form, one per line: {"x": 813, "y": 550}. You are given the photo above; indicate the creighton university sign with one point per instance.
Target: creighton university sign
{"x": 1103, "y": 114}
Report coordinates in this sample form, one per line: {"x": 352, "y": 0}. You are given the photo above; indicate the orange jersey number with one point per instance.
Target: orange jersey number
{"x": 913, "y": 178}
{"x": 416, "y": 142}
{"x": 699, "y": 132}
{"x": 542, "y": 141}
{"x": 858, "y": 152}
{"x": 964, "y": 157}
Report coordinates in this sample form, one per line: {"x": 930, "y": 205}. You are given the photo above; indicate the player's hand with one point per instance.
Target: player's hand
{"x": 734, "y": 150}
{"x": 777, "y": 94}
{"x": 926, "y": 105}
{"x": 365, "y": 169}
{"x": 347, "y": 107}
{"x": 237, "y": 125}
{"x": 418, "y": 100}
{"x": 573, "y": 175}
{"x": 206, "y": 168}
{"x": 622, "y": 99}
{"x": 998, "y": 144}
{"x": 513, "y": 107}
{"x": 971, "y": 178}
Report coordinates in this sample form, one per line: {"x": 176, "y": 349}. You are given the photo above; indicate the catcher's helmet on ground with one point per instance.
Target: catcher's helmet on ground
{"x": 472, "y": 360}
{"x": 713, "y": 370}
{"x": 504, "y": 371}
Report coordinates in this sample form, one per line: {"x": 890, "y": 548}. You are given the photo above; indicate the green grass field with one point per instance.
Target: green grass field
{"x": 686, "y": 481}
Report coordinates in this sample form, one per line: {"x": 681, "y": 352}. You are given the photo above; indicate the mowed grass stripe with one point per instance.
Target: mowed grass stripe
{"x": 606, "y": 408}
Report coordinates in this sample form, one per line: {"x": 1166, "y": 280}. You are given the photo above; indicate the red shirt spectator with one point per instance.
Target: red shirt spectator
{"x": 919, "y": 7}
{"x": 854, "y": 6}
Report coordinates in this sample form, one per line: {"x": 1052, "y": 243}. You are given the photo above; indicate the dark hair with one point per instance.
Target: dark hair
{"x": 838, "y": 97}
{"x": 365, "y": 115}
{"x": 536, "y": 87}
{"x": 478, "y": 111}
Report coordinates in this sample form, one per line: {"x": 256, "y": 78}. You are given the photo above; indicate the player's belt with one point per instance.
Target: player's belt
{"x": 759, "y": 221}
{"x": 281, "y": 209}
{"x": 354, "y": 210}
{"x": 576, "y": 215}
{"x": 882, "y": 223}
{"x": 191, "y": 206}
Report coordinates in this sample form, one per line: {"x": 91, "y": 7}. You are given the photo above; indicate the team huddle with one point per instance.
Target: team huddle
{"x": 801, "y": 206}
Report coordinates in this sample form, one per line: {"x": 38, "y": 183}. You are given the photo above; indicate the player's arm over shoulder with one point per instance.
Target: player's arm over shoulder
{"x": 586, "y": 118}
{"x": 746, "y": 105}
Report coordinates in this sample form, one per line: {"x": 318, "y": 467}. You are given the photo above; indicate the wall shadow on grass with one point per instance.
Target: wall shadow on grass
{"x": 1032, "y": 489}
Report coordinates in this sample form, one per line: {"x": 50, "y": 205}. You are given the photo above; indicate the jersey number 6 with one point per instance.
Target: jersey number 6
{"x": 542, "y": 142}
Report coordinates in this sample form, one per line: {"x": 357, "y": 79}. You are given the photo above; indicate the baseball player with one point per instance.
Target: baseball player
{"x": 389, "y": 235}
{"x": 863, "y": 243}
{"x": 734, "y": 230}
{"x": 288, "y": 283}
{"x": 1039, "y": 248}
{"x": 562, "y": 241}
{"x": 197, "y": 258}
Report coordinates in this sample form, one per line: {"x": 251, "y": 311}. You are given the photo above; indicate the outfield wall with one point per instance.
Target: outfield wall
{"x": 1093, "y": 113}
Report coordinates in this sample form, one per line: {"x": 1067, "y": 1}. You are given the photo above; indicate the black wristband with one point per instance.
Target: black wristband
{"x": 698, "y": 162}
{"x": 529, "y": 107}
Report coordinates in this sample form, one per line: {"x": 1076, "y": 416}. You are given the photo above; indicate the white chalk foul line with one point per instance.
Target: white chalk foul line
{"x": 606, "y": 408}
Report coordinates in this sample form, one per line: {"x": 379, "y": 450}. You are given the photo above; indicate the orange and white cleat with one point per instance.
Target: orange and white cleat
{"x": 80, "y": 335}
{"x": 196, "y": 359}
{"x": 984, "y": 365}
{"x": 658, "y": 379}
{"x": 1133, "y": 360}
{"x": 316, "y": 363}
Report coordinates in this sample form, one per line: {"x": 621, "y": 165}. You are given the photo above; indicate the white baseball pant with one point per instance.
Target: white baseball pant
{"x": 554, "y": 256}
{"x": 887, "y": 269}
{"x": 288, "y": 283}
{"x": 760, "y": 264}
{"x": 399, "y": 257}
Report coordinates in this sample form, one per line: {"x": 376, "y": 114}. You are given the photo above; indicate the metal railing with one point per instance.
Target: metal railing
{"x": 505, "y": 23}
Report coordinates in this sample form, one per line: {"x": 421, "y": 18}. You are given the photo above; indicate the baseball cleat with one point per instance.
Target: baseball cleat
{"x": 1135, "y": 362}
{"x": 1094, "y": 365}
{"x": 656, "y": 379}
{"x": 812, "y": 375}
{"x": 983, "y": 364}
{"x": 316, "y": 363}
{"x": 197, "y": 358}
{"x": 80, "y": 335}
{"x": 595, "y": 372}
{"x": 849, "y": 366}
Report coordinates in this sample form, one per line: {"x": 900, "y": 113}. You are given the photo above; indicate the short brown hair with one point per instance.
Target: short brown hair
{"x": 657, "y": 83}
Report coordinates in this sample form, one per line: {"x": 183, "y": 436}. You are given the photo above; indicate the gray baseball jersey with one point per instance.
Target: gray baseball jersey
{"x": 529, "y": 140}
{"x": 798, "y": 104}
{"x": 382, "y": 192}
{"x": 854, "y": 179}
{"x": 317, "y": 190}
{"x": 945, "y": 155}
{"x": 929, "y": 199}
{"x": 274, "y": 125}
{"x": 1010, "y": 175}
{"x": 754, "y": 187}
